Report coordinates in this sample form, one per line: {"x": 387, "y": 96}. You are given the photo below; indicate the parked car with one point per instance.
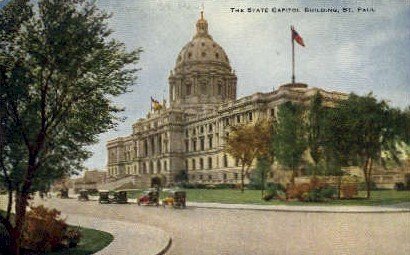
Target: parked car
{"x": 83, "y": 195}
{"x": 175, "y": 198}
{"x": 104, "y": 197}
{"x": 149, "y": 197}
{"x": 120, "y": 197}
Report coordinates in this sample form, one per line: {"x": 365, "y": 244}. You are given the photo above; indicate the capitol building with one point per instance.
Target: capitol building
{"x": 188, "y": 134}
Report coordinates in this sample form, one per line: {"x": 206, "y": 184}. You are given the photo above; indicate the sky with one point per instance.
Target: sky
{"x": 347, "y": 52}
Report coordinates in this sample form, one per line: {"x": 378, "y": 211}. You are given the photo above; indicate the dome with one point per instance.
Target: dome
{"x": 202, "y": 49}
{"x": 202, "y": 76}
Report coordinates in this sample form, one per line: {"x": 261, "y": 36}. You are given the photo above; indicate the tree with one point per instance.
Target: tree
{"x": 259, "y": 176}
{"x": 290, "y": 137}
{"x": 59, "y": 70}
{"x": 315, "y": 128}
{"x": 366, "y": 129}
{"x": 249, "y": 141}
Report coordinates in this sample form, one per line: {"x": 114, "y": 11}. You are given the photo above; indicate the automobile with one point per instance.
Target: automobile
{"x": 104, "y": 197}
{"x": 149, "y": 197}
{"x": 175, "y": 198}
{"x": 64, "y": 193}
{"x": 120, "y": 197}
{"x": 83, "y": 195}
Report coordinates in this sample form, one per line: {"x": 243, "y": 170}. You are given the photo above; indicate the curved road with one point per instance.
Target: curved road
{"x": 215, "y": 231}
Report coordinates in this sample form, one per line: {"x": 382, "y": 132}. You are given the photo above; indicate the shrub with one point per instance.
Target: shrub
{"x": 349, "y": 190}
{"x": 363, "y": 186}
{"x": 72, "y": 237}
{"x": 43, "y": 230}
{"x": 225, "y": 186}
{"x": 297, "y": 191}
{"x": 399, "y": 186}
{"x": 315, "y": 191}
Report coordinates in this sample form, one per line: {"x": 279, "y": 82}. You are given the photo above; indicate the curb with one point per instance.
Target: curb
{"x": 164, "y": 251}
{"x": 306, "y": 209}
{"x": 303, "y": 211}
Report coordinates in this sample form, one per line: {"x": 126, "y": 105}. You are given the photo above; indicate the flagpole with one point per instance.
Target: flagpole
{"x": 293, "y": 56}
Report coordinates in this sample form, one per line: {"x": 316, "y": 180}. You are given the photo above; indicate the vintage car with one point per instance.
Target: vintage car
{"x": 175, "y": 198}
{"x": 149, "y": 197}
{"x": 83, "y": 196}
{"x": 120, "y": 197}
{"x": 64, "y": 193}
{"x": 104, "y": 197}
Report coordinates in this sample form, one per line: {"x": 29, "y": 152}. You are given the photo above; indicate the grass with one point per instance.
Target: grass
{"x": 91, "y": 242}
{"x": 230, "y": 196}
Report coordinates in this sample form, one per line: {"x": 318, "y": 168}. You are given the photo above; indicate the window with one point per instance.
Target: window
{"x": 188, "y": 89}
{"x": 186, "y": 145}
{"x": 210, "y": 128}
{"x": 201, "y": 129}
{"x": 210, "y": 177}
{"x": 209, "y": 163}
{"x": 158, "y": 166}
{"x": 225, "y": 177}
{"x": 225, "y": 161}
{"x": 151, "y": 167}
{"x": 235, "y": 176}
{"x": 210, "y": 142}
{"x": 165, "y": 166}
{"x": 238, "y": 119}
{"x": 201, "y": 177}
{"x": 202, "y": 144}
{"x": 236, "y": 162}
{"x": 194, "y": 144}
{"x": 201, "y": 163}
{"x": 186, "y": 133}
{"x": 250, "y": 117}
{"x": 193, "y": 164}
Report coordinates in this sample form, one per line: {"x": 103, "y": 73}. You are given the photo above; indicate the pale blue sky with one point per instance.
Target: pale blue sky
{"x": 359, "y": 52}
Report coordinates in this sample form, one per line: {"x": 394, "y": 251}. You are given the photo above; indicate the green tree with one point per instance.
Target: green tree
{"x": 315, "y": 126}
{"x": 59, "y": 70}
{"x": 290, "y": 137}
{"x": 247, "y": 142}
{"x": 363, "y": 130}
{"x": 259, "y": 176}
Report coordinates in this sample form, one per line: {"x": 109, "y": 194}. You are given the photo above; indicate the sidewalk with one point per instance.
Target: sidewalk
{"x": 404, "y": 207}
{"x": 306, "y": 208}
{"x": 129, "y": 238}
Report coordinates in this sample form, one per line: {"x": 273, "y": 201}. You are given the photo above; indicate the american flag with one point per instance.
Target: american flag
{"x": 296, "y": 36}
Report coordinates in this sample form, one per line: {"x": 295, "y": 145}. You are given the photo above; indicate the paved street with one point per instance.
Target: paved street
{"x": 222, "y": 231}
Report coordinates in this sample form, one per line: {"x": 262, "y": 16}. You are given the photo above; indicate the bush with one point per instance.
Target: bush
{"x": 349, "y": 190}
{"x": 273, "y": 190}
{"x": 185, "y": 185}
{"x": 225, "y": 186}
{"x": 320, "y": 194}
{"x": 363, "y": 186}
{"x": 43, "y": 230}
{"x": 399, "y": 186}
{"x": 315, "y": 191}
{"x": 72, "y": 237}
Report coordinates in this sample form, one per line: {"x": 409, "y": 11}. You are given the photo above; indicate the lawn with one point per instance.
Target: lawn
{"x": 91, "y": 241}
{"x": 231, "y": 196}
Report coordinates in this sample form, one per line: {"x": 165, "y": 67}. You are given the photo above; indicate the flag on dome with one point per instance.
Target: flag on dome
{"x": 296, "y": 36}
